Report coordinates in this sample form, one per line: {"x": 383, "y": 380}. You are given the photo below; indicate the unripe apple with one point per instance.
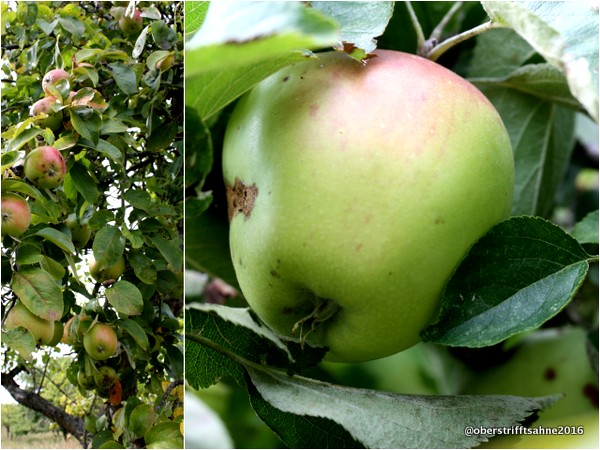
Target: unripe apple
{"x": 80, "y": 233}
{"x": 100, "y": 341}
{"x": 49, "y": 119}
{"x": 552, "y": 361}
{"x": 105, "y": 377}
{"x": 58, "y": 333}
{"x": 100, "y": 272}
{"x": 131, "y": 25}
{"x": 16, "y": 215}
{"x": 41, "y": 329}
{"x": 85, "y": 381}
{"x": 57, "y": 78}
{"x": 354, "y": 191}
{"x": 45, "y": 167}
{"x": 165, "y": 63}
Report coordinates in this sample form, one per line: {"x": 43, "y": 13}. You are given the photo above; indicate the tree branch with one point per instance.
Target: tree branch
{"x": 31, "y": 400}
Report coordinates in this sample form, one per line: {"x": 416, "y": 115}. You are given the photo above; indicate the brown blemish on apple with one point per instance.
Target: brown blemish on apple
{"x": 274, "y": 274}
{"x": 314, "y": 109}
{"x": 240, "y": 198}
{"x": 550, "y": 374}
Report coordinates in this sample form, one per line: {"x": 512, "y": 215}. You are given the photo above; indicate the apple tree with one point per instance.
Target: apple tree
{"x": 341, "y": 207}
{"x": 92, "y": 218}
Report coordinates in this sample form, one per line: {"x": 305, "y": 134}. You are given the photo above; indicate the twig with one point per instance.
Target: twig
{"x": 446, "y": 45}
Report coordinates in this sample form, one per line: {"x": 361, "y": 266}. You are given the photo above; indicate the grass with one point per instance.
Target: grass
{"x": 39, "y": 440}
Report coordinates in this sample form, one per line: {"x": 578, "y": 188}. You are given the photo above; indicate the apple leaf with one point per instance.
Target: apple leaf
{"x": 207, "y": 245}
{"x": 376, "y": 419}
{"x": 220, "y": 340}
{"x": 360, "y": 23}
{"x": 142, "y": 266}
{"x": 565, "y": 33}
{"x": 239, "y": 44}
{"x": 20, "y": 340}
{"x": 586, "y": 231}
{"x": 125, "y": 77}
{"x": 61, "y": 240}
{"x": 39, "y": 292}
{"x": 520, "y": 274}
{"x": 126, "y": 298}
{"x": 83, "y": 182}
{"x": 135, "y": 331}
{"x": 108, "y": 246}
{"x": 170, "y": 249}
{"x": 541, "y": 131}
{"x": 195, "y": 13}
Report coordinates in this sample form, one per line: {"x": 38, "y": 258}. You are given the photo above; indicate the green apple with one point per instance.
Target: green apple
{"x": 131, "y": 24}
{"x": 16, "y": 215}
{"x": 45, "y": 167}
{"x": 354, "y": 190}
{"x": 552, "y": 361}
{"x": 41, "y": 329}
{"x": 58, "y": 333}
{"x": 80, "y": 232}
{"x": 105, "y": 377}
{"x": 85, "y": 381}
{"x": 583, "y": 429}
{"x": 101, "y": 272}
{"x": 45, "y": 116}
{"x": 100, "y": 341}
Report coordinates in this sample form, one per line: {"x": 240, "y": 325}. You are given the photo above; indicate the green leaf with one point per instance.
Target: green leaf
{"x": 207, "y": 245}
{"x": 83, "y": 182}
{"x": 108, "y": 245}
{"x": 360, "y": 22}
{"x": 29, "y": 254}
{"x": 161, "y": 432}
{"x": 61, "y": 240}
{"x": 22, "y": 187}
{"x": 239, "y": 44}
{"x": 125, "y": 297}
{"x": 143, "y": 267}
{"x": 39, "y": 293}
{"x": 164, "y": 36}
{"x": 87, "y": 123}
{"x": 170, "y": 249}
{"x": 214, "y": 330}
{"x": 138, "y": 199}
{"x": 195, "y": 13}
{"x": 586, "y": 231}
{"x": 20, "y": 340}
{"x": 135, "y": 331}
{"x": 125, "y": 77}
{"x": 380, "y": 419}
{"x": 565, "y": 33}
{"x": 22, "y": 138}
{"x": 515, "y": 278}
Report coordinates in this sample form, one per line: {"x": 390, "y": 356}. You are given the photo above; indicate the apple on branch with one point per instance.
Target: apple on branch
{"x": 354, "y": 190}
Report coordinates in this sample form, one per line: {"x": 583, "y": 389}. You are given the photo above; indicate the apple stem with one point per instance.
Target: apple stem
{"x": 324, "y": 310}
{"x": 438, "y": 50}
{"x": 416, "y": 25}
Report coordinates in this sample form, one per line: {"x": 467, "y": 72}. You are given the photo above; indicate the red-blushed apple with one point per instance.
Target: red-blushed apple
{"x": 45, "y": 116}
{"x": 45, "y": 167}
{"x": 55, "y": 77}
{"x": 16, "y": 214}
{"x": 131, "y": 25}
{"x": 354, "y": 190}
{"x": 101, "y": 272}
{"x": 41, "y": 329}
{"x": 100, "y": 341}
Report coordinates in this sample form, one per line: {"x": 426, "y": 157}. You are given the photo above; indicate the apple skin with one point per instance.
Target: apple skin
{"x": 85, "y": 381}
{"x": 360, "y": 188}
{"x": 589, "y": 438}
{"x": 52, "y": 78}
{"x": 548, "y": 362}
{"x": 100, "y": 341}
{"x": 41, "y": 329}
{"x": 52, "y": 120}
{"x": 16, "y": 214}
{"x": 80, "y": 233}
{"x": 45, "y": 167}
{"x": 58, "y": 333}
{"x": 131, "y": 25}
{"x": 101, "y": 273}
{"x": 105, "y": 377}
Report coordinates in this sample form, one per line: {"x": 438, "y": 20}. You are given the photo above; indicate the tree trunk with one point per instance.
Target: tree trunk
{"x": 31, "y": 400}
